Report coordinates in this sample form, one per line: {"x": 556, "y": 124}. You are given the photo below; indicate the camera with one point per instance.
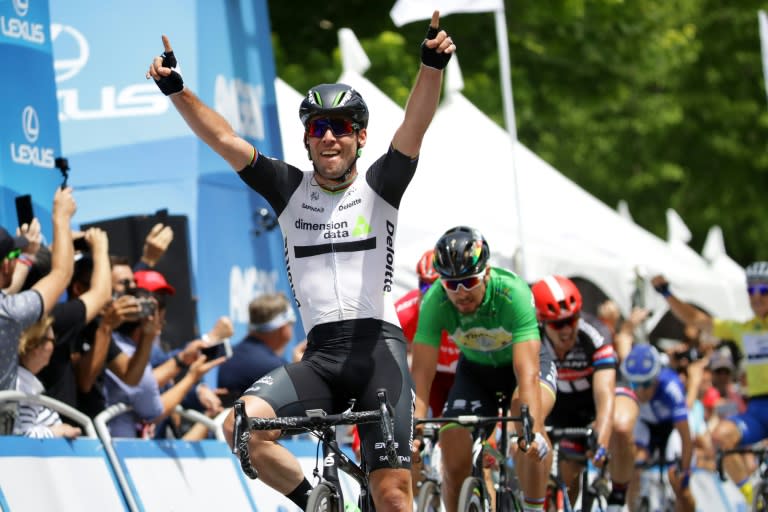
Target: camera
{"x": 147, "y": 307}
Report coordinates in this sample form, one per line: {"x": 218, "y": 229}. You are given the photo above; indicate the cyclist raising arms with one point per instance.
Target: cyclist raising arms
{"x": 662, "y": 408}
{"x": 751, "y": 336}
{"x": 586, "y": 371}
{"x": 489, "y": 314}
{"x": 339, "y": 226}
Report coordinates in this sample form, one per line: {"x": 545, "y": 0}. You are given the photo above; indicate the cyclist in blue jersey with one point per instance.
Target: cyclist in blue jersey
{"x": 661, "y": 395}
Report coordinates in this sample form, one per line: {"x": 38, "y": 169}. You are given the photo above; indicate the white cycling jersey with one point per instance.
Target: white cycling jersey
{"x": 339, "y": 247}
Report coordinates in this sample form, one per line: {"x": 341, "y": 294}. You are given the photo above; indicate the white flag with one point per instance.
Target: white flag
{"x": 406, "y": 11}
{"x": 763, "y": 20}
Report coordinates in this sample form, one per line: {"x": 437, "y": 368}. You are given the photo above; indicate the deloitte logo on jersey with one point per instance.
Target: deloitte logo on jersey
{"x": 389, "y": 266}
{"x": 18, "y": 28}
{"x": 28, "y": 153}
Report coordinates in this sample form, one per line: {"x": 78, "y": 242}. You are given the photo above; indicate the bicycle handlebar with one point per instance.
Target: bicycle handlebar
{"x": 313, "y": 421}
{"x": 761, "y": 452}
{"x": 475, "y": 420}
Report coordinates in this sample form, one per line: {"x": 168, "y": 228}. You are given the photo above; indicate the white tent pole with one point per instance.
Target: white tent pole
{"x": 763, "y": 24}
{"x": 502, "y": 41}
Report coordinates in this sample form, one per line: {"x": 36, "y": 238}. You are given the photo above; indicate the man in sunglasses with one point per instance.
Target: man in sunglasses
{"x": 581, "y": 348}
{"x": 752, "y": 339}
{"x": 339, "y": 225}
{"x": 489, "y": 313}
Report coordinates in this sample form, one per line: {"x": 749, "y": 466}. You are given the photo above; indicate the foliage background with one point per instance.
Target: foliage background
{"x": 661, "y": 103}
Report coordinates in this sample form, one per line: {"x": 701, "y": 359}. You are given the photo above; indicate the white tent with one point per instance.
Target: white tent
{"x": 465, "y": 177}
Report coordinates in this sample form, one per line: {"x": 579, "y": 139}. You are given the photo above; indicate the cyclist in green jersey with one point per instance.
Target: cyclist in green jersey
{"x": 490, "y": 314}
{"x": 751, "y": 336}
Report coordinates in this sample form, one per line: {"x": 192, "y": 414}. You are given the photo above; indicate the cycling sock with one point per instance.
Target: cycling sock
{"x": 533, "y": 504}
{"x": 300, "y": 495}
{"x": 618, "y": 494}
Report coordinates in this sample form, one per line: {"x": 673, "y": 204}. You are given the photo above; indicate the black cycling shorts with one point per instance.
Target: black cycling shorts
{"x": 476, "y": 386}
{"x": 347, "y": 360}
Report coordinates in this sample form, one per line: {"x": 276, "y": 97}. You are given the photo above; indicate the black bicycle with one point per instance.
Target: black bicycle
{"x": 428, "y": 498}
{"x": 327, "y": 495}
{"x": 475, "y": 495}
{"x": 760, "y": 492}
{"x": 592, "y": 493}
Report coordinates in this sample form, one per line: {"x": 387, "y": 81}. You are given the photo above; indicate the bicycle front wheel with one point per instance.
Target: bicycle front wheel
{"x": 323, "y": 498}
{"x": 428, "y": 499}
{"x": 471, "y": 495}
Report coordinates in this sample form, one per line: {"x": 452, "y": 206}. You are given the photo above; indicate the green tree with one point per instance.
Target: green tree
{"x": 659, "y": 103}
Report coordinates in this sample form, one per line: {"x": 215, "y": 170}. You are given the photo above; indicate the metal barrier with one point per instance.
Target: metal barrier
{"x": 60, "y": 407}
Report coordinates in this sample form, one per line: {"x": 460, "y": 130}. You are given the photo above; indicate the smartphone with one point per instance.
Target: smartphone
{"x": 24, "y": 213}
{"x": 161, "y": 216}
{"x": 222, "y": 349}
{"x": 81, "y": 245}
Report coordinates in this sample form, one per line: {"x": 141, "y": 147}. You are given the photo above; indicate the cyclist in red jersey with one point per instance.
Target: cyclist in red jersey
{"x": 407, "y": 308}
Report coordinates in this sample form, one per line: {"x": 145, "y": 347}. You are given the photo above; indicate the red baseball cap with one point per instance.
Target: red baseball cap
{"x": 711, "y": 397}
{"x": 153, "y": 281}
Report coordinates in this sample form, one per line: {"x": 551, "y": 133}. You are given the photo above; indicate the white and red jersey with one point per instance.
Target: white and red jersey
{"x": 407, "y": 309}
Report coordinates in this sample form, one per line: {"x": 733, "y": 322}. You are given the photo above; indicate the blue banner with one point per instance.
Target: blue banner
{"x": 29, "y": 129}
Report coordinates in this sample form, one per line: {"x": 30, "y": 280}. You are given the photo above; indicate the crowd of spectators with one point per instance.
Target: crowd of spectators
{"x": 85, "y": 327}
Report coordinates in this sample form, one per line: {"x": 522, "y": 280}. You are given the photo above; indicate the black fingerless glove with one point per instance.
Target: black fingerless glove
{"x": 429, "y": 56}
{"x": 172, "y": 83}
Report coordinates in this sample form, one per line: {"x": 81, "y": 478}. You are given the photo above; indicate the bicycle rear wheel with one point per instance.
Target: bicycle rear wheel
{"x": 323, "y": 498}
{"x": 428, "y": 499}
{"x": 471, "y": 495}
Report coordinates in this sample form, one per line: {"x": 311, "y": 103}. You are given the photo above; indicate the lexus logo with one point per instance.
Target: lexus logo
{"x": 21, "y": 7}
{"x": 30, "y": 124}
{"x": 69, "y": 66}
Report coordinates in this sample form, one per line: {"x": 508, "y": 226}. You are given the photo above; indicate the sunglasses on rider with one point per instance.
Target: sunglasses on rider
{"x": 641, "y": 385}
{"x": 468, "y": 283}
{"x": 563, "y": 322}
{"x": 13, "y": 254}
{"x": 339, "y": 127}
{"x": 761, "y": 289}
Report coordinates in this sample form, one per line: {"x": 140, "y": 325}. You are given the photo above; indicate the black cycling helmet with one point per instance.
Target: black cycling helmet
{"x": 461, "y": 251}
{"x": 334, "y": 99}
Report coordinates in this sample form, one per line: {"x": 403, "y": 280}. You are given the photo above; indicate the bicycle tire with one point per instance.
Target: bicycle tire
{"x": 323, "y": 499}
{"x": 507, "y": 501}
{"x": 471, "y": 495}
{"x": 428, "y": 499}
{"x": 760, "y": 498}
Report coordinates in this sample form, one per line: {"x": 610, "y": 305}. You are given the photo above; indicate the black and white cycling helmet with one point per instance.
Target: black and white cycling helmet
{"x": 461, "y": 252}
{"x": 334, "y": 100}
{"x": 758, "y": 271}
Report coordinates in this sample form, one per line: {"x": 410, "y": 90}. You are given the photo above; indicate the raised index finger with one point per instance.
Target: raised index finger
{"x": 435, "y": 23}
{"x": 167, "y": 43}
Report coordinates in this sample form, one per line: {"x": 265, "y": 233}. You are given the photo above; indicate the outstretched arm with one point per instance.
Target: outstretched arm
{"x": 207, "y": 124}
{"x": 422, "y": 103}
{"x": 686, "y": 313}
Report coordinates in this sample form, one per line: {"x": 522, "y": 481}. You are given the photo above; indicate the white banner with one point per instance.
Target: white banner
{"x": 763, "y": 21}
{"x": 406, "y": 11}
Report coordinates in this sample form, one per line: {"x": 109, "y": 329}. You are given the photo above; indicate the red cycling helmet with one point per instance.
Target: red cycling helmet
{"x": 556, "y": 298}
{"x": 424, "y": 268}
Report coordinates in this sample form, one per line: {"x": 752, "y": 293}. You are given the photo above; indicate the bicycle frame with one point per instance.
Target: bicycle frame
{"x": 322, "y": 426}
{"x": 588, "y": 492}
{"x": 506, "y": 501}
